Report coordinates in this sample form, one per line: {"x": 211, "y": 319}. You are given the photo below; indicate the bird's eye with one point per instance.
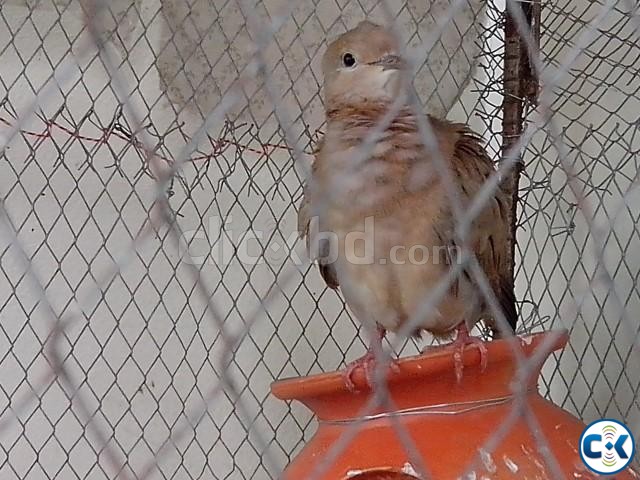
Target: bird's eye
{"x": 348, "y": 60}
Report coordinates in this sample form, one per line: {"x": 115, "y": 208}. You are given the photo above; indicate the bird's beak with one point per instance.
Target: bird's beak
{"x": 390, "y": 62}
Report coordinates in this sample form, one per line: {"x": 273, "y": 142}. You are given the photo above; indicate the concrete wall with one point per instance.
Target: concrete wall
{"x": 596, "y": 106}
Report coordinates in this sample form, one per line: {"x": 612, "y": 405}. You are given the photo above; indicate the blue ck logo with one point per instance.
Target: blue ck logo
{"x": 606, "y": 446}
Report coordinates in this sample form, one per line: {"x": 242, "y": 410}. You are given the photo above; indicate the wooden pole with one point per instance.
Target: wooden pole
{"x": 520, "y": 85}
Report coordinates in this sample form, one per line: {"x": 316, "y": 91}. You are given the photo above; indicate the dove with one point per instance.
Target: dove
{"x": 380, "y": 224}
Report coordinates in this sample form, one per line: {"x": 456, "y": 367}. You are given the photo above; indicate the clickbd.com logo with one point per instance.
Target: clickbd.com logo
{"x": 606, "y": 446}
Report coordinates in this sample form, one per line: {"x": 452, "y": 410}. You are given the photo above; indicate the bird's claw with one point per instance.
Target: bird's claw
{"x": 368, "y": 362}
{"x": 459, "y": 344}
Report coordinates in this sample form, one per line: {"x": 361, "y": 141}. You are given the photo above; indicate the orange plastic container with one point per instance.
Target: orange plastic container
{"x": 448, "y": 423}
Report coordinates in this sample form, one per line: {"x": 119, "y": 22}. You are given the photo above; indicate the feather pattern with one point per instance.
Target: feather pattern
{"x": 379, "y": 222}
{"x": 397, "y": 186}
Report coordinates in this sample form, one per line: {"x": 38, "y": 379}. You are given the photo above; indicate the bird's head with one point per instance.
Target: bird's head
{"x": 362, "y": 65}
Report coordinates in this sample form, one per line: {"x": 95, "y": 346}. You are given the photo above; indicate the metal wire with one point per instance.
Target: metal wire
{"x": 151, "y": 281}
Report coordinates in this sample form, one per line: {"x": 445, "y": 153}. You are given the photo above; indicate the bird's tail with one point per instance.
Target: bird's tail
{"x": 507, "y": 301}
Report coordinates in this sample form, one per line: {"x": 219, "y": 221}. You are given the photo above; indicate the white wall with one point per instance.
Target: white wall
{"x": 597, "y": 107}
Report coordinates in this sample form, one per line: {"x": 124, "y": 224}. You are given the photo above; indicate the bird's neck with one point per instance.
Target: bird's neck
{"x": 368, "y": 114}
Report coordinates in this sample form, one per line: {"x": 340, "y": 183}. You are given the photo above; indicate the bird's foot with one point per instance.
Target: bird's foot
{"x": 463, "y": 339}
{"x": 368, "y": 362}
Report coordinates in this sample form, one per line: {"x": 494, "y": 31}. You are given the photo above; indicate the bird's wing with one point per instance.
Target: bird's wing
{"x": 489, "y": 236}
{"x": 306, "y": 232}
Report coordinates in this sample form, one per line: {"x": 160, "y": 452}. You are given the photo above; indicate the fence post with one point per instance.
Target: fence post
{"x": 520, "y": 84}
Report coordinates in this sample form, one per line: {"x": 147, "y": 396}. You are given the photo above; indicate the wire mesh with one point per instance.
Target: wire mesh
{"x": 152, "y": 284}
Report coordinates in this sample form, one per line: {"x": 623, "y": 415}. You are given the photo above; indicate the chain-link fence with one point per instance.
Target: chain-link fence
{"x": 152, "y": 284}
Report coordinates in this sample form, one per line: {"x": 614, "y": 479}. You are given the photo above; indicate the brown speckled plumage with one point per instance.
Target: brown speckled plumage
{"x": 399, "y": 187}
